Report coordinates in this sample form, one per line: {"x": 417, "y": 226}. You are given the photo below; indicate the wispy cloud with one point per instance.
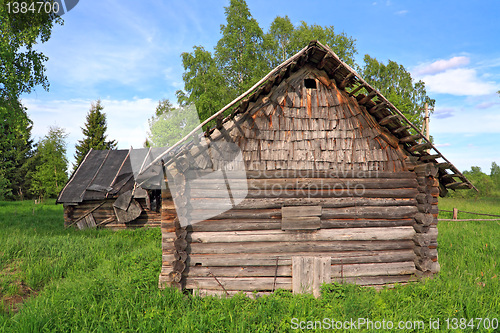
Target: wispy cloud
{"x": 486, "y": 105}
{"x": 443, "y": 113}
{"x": 402, "y": 12}
{"x": 442, "y": 144}
{"x": 441, "y": 66}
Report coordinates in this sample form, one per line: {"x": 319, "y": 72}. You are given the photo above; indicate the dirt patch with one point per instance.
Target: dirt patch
{"x": 13, "y": 302}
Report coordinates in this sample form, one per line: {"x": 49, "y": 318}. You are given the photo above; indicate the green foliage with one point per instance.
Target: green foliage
{"x": 283, "y": 40}
{"x": 495, "y": 175}
{"x": 51, "y": 164}
{"x": 94, "y": 133}
{"x": 343, "y": 45}
{"x": 170, "y": 124}
{"x": 277, "y": 42}
{"x": 204, "y": 84}
{"x": 486, "y": 184}
{"x": 106, "y": 281}
{"x": 239, "y": 53}
{"x": 21, "y": 66}
{"x": 244, "y": 54}
{"x": 15, "y": 149}
{"x": 397, "y": 85}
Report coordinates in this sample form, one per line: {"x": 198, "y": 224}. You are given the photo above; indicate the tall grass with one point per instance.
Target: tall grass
{"x": 105, "y": 281}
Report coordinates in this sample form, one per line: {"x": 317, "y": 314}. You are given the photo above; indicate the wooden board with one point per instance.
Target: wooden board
{"x": 309, "y": 273}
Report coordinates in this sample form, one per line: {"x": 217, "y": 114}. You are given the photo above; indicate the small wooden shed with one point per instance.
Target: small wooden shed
{"x": 340, "y": 186}
{"x": 103, "y": 192}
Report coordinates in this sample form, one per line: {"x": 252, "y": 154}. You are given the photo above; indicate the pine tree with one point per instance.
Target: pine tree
{"x": 94, "y": 132}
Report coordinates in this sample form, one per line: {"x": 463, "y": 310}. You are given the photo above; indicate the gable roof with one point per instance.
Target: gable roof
{"x": 345, "y": 79}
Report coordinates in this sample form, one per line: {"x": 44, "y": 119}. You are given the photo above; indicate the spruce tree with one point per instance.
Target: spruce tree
{"x": 94, "y": 133}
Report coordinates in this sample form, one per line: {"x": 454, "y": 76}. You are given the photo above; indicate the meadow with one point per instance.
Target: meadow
{"x": 62, "y": 280}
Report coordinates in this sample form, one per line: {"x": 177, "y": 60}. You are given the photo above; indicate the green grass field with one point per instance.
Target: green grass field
{"x": 59, "y": 280}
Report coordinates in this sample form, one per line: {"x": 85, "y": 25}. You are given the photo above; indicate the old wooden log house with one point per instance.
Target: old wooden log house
{"x": 339, "y": 186}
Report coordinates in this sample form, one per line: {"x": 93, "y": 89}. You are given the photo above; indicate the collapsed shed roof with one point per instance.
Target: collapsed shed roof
{"x": 109, "y": 173}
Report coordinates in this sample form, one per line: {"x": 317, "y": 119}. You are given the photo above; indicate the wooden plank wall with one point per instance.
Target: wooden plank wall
{"x": 147, "y": 218}
{"x": 368, "y": 235}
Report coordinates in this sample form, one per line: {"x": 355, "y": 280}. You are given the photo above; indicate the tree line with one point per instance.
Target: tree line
{"x": 487, "y": 185}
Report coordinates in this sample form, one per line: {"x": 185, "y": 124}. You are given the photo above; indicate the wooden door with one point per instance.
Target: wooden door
{"x": 309, "y": 273}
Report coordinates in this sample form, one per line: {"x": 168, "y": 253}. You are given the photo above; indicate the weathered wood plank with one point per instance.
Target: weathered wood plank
{"x": 373, "y": 269}
{"x": 364, "y": 212}
{"x": 269, "y": 259}
{"x": 301, "y": 223}
{"x": 301, "y": 183}
{"x": 243, "y": 283}
{"x": 286, "y": 247}
{"x": 300, "y": 211}
{"x": 251, "y": 203}
{"x": 352, "y": 234}
{"x": 363, "y": 223}
{"x": 264, "y": 174}
{"x": 376, "y": 280}
{"x": 409, "y": 193}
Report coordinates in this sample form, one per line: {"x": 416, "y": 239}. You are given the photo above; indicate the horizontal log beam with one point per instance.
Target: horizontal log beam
{"x": 304, "y": 183}
{"x": 457, "y": 186}
{"x": 366, "y": 212}
{"x": 386, "y": 120}
{"x": 420, "y": 147}
{"x": 444, "y": 166}
{"x": 409, "y": 193}
{"x": 375, "y": 280}
{"x": 243, "y": 284}
{"x": 269, "y": 259}
{"x": 337, "y": 271}
{"x": 425, "y": 158}
{"x": 346, "y": 81}
{"x": 252, "y": 203}
{"x": 264, "y": 174}
{"x": 411, "y": 138}
{"x": 285, "y": 247}
{"x": 400, "y": 129}
{"x": 368, "y": 97}
{"x": 383, "y": 269}
{"x": 352, "y": 234}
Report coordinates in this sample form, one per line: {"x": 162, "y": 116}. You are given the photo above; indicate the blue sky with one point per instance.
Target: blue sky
{"x": 127, "y": 53}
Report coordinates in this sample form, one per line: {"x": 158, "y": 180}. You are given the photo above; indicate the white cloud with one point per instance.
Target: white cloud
{"x": 126, "y": 119}
{"x": 440, "y": 66}
{"x": 402, "y": 12}
{"x": 459, "y": 81}
{"x": 442, "y": 144}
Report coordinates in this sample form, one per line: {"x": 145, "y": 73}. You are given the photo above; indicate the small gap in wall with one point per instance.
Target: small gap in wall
{"x": 310, "y": 83}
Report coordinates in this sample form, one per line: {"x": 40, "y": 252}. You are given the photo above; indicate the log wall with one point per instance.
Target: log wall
{"x": 368, "y": 236}
{"x": 104, "y": 215}
{"x": 426, "y": 220}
